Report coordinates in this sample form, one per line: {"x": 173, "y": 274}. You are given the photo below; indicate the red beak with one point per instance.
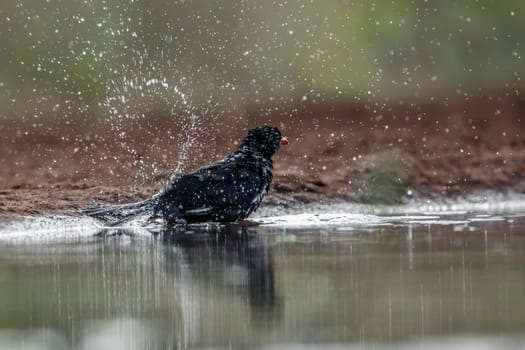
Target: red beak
{"x": 284, "y": 141}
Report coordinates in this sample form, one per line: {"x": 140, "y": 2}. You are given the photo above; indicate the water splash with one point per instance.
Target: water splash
{"x": 190, "y": 131}
{"x": 133, "y": 99}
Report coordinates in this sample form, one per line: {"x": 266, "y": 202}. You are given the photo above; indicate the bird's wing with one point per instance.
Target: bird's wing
{"x": 226, "y": 187}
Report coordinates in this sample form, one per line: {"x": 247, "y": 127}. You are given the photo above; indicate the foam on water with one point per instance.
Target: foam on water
{"x": 489, "y": 202}
{"x": 342, "y": 220}
{"x": 315, "y": 220}
{"x": 486, "y": 206}
{"x": 342, "y": 216}
{"x": 48, "y": 228}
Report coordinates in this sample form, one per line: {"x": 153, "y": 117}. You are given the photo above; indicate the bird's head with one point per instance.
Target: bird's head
{"x": 264, "y": 140}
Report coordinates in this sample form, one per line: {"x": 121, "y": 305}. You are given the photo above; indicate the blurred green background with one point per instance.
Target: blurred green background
{"x": 82, "y": 59}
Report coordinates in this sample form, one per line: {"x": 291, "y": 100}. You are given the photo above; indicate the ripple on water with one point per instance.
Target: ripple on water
{"x": 459, "y": 213}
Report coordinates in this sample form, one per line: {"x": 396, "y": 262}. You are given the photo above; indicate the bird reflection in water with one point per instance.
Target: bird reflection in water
{"x": 220, "y": 261}
{"x": 232, "y": 256}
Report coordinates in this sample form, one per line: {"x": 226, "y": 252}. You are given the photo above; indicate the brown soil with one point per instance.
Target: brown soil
{"x": 360, "y": 153}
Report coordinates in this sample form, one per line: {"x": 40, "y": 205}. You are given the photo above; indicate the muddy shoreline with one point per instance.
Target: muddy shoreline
{"x": 370, "y": 154}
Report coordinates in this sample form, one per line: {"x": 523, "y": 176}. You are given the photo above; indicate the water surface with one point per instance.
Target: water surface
{"x": 454, "y": 280}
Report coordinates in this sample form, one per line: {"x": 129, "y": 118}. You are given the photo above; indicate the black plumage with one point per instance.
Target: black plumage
{"x": 227, "y": 191}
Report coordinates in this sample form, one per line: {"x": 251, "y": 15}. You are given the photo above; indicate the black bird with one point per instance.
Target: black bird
{"x": 227, "y": 191}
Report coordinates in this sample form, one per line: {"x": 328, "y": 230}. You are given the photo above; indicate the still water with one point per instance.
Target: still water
{"x": 454, "y": 281}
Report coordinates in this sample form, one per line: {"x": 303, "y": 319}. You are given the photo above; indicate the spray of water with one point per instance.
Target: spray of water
{"x": 190, "y": 131}
{"x": 135, "y": 97}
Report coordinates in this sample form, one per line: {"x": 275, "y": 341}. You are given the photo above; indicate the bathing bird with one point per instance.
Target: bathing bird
{"x": 227, "y": 191}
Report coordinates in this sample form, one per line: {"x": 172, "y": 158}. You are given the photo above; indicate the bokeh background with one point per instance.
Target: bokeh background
{"x": 81, "y": 59}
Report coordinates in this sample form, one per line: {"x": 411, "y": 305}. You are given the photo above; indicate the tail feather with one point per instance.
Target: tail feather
{"x": 117, "y": 214}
